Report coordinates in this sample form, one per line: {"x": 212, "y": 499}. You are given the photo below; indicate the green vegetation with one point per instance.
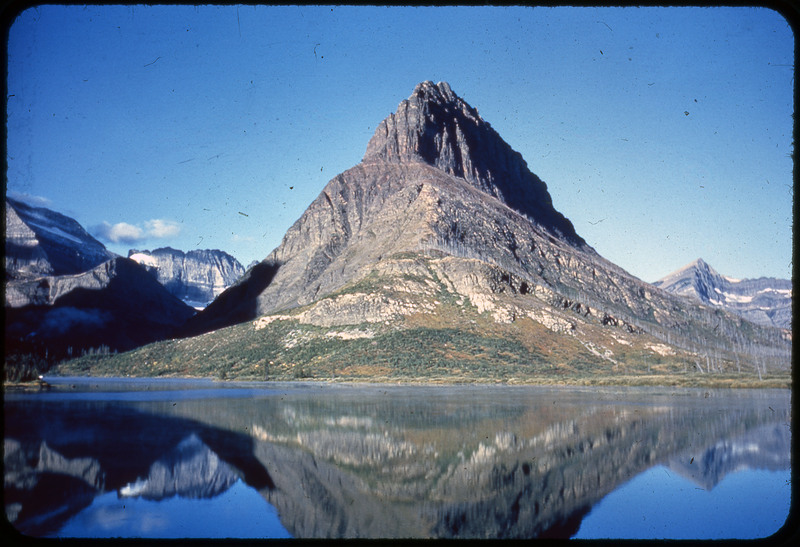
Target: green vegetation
{"x": 456, "y": 344}
{"x": 286, "y": 350}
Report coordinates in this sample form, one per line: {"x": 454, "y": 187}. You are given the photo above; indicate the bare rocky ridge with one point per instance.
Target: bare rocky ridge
{"x": 43, "y": 242}
{"x": 766, "y": 300}
{"x": 440, "y": 205}
{"x": 196, "y": 277}
{"x": 438, "y": 128}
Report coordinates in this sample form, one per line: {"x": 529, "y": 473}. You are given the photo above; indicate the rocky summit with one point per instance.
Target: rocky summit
{"x": 441, "y": 254}
{"x": 766, "y": 300}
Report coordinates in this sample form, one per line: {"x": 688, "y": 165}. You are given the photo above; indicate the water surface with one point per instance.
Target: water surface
{"x": 182, "y": 458}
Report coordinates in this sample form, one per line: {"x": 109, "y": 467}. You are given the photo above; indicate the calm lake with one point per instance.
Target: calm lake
{"x": 186, "y": 458}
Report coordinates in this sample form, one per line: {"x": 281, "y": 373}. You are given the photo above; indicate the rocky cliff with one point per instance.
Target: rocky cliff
{"x": 43, "y": 242}
{"x": 766, "y": 300}
{"x": 442, "y": 217}
{"x": 436, "y": 127}
{"x": 196, "y": 277}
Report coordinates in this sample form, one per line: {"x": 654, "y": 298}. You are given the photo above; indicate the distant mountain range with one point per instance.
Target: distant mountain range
{"x": 196, "y": 277}
{"x": 65, "y": 293}
{"x": 766, "y": 300}
{"x": 439, "y": 254}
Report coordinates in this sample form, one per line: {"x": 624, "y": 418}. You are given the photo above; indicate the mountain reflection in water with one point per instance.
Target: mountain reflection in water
{"x": 379, "y": 461}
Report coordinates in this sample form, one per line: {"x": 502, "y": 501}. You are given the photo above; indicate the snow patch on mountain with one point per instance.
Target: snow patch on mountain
{"x": 144, "y": 259}
{"x": 767, "y": 301}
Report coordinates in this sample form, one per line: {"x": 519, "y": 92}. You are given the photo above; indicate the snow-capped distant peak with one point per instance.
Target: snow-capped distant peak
{"x": 767, "y": 301}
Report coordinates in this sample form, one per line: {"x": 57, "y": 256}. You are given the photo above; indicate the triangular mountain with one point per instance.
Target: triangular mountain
{"x": 766, "y": 300}
{"x": 443, "y": 247}
{"x": 435, "y": 176}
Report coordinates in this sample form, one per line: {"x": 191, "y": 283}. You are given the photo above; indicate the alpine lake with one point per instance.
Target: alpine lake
{"x": 169, "y": 458}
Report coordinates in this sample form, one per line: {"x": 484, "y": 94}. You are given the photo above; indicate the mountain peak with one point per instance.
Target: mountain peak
{"x": 766, "y": 301}
{"x": 701, "y": 264}
{"x": 437, "y": 127}
{"x": 441, "y": 92}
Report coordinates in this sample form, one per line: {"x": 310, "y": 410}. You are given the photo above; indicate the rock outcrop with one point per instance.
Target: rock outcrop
{"x": 766, "y": 300}
{"x": 196, "y": 277}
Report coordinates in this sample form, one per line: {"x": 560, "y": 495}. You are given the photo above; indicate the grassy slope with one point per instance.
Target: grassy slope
{"x": 455, "y": 344}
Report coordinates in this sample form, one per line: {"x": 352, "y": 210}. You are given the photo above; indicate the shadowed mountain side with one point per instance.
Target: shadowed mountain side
{"x": 437, "y": 127}
{"x": 236, "y": 305}
{"x": 52, "y": 472}
{"x": 39, "y": 241}
{"x": 116, "y": 304}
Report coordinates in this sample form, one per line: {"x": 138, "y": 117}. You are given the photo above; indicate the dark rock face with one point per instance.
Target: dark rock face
{"x": 196, "y": 277}
{"x": 439, "y": 200}
{"x": 766, "y": 301}
{"x": 116, "y": 304}
{"x": 43, "y": 242}
{"x": 438, "y": 128}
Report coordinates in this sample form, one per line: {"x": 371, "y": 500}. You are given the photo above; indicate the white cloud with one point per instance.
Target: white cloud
{"x": 159, "y": 228}
{"x": 130, "y": 234}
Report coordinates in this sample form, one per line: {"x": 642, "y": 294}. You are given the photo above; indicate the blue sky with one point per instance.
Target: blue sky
{"x": 664, "y": 134}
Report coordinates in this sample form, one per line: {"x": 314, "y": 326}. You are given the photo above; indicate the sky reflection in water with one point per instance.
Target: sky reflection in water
{"x": 243, "y": 511}
{"x": 660, "y": 504}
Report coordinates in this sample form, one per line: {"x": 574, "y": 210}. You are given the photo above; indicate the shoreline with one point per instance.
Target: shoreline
{"x": 666, "y": 381}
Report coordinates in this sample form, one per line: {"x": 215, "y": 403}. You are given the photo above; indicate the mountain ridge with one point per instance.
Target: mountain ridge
{"x": 117, "y": 306}
{"x": 39, "y": 241}
{"x": 764, "y": 300}
{"x": 196, "y": 277}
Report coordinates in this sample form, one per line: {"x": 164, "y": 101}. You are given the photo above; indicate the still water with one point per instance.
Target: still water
{"x": 184, "y": 458}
